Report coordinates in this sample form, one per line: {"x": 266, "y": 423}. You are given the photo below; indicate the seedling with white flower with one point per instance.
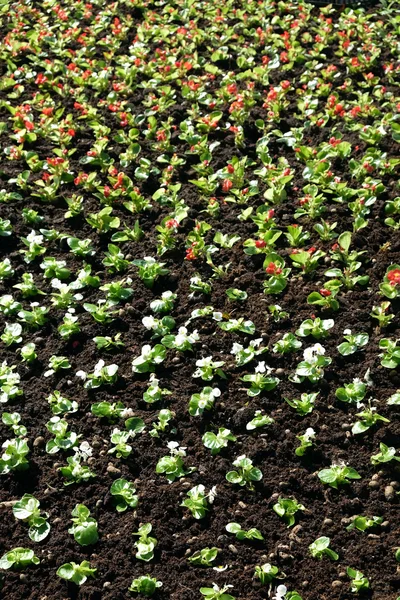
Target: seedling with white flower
{"x": 154, "y": 392}
{"x": 158, "y": 327}
{"x": 217, "y": 593}
{"x": 312, "y": 367}
{"x": 266, "y": 573}
{"x": 217, "y": 441}
{"x": 164, "y": 304}
{"x": 182, "y": 341}
{"x": 102, "y": 375}
{"x": 260, "y": 380}
{"x": 306, "y": 441}
{"x": 203, "y": 400}
{"x": 199, "y": 500}
{"x": 208, "y": 368}
{"x": 149, "y": 359}
{"x": 245, "y": 474}
{"x": 173, "y": 466}
{"x": 244, "y": 355}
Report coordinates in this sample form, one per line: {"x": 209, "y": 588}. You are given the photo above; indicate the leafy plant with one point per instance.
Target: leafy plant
{"x": 320, "y": 548}
{"x": 338, "y": 475}
{"x": 84, "y": 528}
{"x": 78, "y": 574}
{"x": 245, "y": 474}
{"x": 286, "y": 508}
{"x": 145, "y": 585}
{"x": 124, "y": 495}
{"x": 243, "y": 534}
{"x": 145, "y": 545}
{"x": 18, "y": 558}
{"x": 27, "y": 509}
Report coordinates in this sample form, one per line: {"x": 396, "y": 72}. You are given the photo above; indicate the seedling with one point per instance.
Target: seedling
{"x": 320, "y": 548}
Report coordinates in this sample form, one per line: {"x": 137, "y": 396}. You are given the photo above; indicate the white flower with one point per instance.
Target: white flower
{"x": 146, "y": 351}
{"x": 347, "y": 332}
{"x": 255, "y": 343}
{"x": 263, "y": 368}
{"x": 312, "y": 352}
{"x": 149, "y": 322}
{"x": 280, "y": 592}
{"x": 85, "y": 450}
{"x": 212, "y": 494}
{"x": 236, "y": 348}
{"x": 215, "y": 392}
{"x": 98, "y": 367}
{"x": 81, "y": 374}
{"x": 309, "y": 434}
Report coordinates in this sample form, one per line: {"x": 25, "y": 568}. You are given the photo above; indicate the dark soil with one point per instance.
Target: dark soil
{"x": 272, "y": 448}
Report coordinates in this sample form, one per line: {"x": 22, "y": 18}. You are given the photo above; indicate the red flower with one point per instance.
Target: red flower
{"x": 260, "y": 244}
{"x": 394, "y": 277}
{"x": 272, "y": 269}
{"x": 227, "y": 185}
{"x": 231, "y": 169}
{"x": 325, "y": 293}
{"x": 171, "y": 224}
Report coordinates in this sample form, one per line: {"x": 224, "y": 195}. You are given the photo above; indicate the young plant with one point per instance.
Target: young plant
{"x": 286, "y": 508}
{"x": 259, "y": 420}
{"x": 18, "y": 558}
{"x": 320, "y": 548}
{"x": 63, "y": 439}
{"x": 288, "y": 343}
{"x": 359, "y": 582}
{"x": 385, "y": 455}
{"x": 84, "y": 528}
{"x": 353, "y": 343}
{"x": 123, "y": 493}
{"x": 145, "y": 585}
{"x": 217, "y": 441}
{"x": 27, "y": 510}
{"x": 362, "y": 523}
{"x": 203, "y": 401}
{"x": 338, "y": 475}
{"x": 245, "y": 355}
{"x": 243, "y": 534}
{"x": 173, "y": 465}
{"x": 78, "y": 574}
{"x": 150, "y": 270}
{"x": 14, "y": 456}
{"x": 207, "y": 369}
{"x": 312, "y": 367}
{"x": 145, "y": 544}
{"x": 245, "y": 473}
{"x": 391, "y": 353}
{"x": 198, "y": 501}
{"x": 260, "y": 381}
{"x": 266, "y": 573}
{"x": 75, "y": 471}
{"x": 352, "y": 393}
{"x": 149, "y": 359}
{"x": 317, "y": 327}
{"x": 217, "y": 593}
{"x": 368, "y": 418}
{"x": 306, "y": 441}
{"x": 305, "y": 404}
{"x": 204, "y": 557}
{"x": 102, "y": 375}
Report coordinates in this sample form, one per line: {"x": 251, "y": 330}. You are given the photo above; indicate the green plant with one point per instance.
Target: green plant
{"x": 173, "y": 465}
{"x": 78, "y": 574}
{"x": 217, "y": 441}
{"x": 243, "y": 534}
{"x": 145, "y": 585}
{"x": 385, "y": 455}
{"x": 286, "y": 508}
{"x": 217, "y": 593}
{"x": 124, "y": 494}
{"x": 266, "y": 573}
{"x": 320, "y": 548}
{"x": 145, "y": 544}
{"x": 245, "y": 474}
{"x": 27, "y": 509}
{"x": 18, "y": 558}
{"x": 84, "y": 528}
{"x": 358, "y": 580}
{"x": 338, "y": 475}
{"x": 204, "y": 557}
{"x": 198, "y": 501}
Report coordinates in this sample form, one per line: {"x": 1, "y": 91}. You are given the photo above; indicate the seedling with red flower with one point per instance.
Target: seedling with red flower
{"x": 277, "y": 273}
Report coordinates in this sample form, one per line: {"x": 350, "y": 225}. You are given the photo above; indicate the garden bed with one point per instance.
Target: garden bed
{"x": 206, "y": 199}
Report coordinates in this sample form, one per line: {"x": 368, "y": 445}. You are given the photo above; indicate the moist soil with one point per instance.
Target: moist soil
{"x": 272, "y": 448}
